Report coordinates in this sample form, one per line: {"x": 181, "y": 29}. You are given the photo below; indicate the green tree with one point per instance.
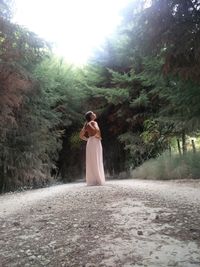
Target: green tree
{"x": 20, "y": 51}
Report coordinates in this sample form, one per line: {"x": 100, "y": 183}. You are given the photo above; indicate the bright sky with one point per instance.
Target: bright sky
{"x": 74, "y": 26}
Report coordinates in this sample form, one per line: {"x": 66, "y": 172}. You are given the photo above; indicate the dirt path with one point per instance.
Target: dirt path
{"x": 124, "y": 223}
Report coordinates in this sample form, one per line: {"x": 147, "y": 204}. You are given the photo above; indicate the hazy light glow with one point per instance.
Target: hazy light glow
{"x": 75, "y": 27}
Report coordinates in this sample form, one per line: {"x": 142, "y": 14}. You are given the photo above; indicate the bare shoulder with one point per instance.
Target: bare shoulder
{"x": 92, "y": 123}
{"x": 96, "y": 125}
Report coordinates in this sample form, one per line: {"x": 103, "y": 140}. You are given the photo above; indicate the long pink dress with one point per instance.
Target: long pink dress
{"x": 94, "y": 162}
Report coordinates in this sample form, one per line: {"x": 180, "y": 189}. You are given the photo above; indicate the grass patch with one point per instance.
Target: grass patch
{"x": 170, "y": 167}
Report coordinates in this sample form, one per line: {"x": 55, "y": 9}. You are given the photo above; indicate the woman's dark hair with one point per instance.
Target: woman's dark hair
{"x": 88, "y": 115}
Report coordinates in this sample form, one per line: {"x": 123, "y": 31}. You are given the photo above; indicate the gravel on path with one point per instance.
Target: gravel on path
{"x": 124, "y": 223}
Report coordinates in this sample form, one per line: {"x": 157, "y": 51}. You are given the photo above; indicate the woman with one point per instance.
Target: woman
{"x": 94, "y": 156}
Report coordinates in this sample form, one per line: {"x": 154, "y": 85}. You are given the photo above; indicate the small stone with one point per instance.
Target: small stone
{"x": 52, "y": 223}
{"x": 193, "y": 230}
{"x": 194, "y": 237}
{"x": 45, "y": 262}
{"x": 52, "y": 244}
{"x": 16, "y": 224}
{"x": 139, "y": 232}
{"x": 28, "y": 252}
{"x": 81, "y": 247}
{"x": 32, "y": 257}
{"x": 157, "y": 217}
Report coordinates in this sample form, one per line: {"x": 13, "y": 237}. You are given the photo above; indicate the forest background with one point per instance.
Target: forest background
{"x": 144, "y": 84}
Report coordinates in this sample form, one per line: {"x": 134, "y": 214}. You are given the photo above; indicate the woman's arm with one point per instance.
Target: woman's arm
{"x": 82, "y": 134}
{"x": 94, "y": 125}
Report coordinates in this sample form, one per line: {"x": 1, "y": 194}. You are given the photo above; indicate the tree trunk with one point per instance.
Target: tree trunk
{"x": 184, "y": 147}
{"x": 179, "y": 146}
{"x": 193, "y": 146}
{"x": 170, "y": 150}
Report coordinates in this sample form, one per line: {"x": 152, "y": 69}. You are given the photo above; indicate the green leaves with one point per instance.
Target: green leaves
{"x": 141, "y": 101}
{"x": 143, "y": 84}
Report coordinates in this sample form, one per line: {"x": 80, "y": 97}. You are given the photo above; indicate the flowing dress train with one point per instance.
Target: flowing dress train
{"x": 94, "y": 162}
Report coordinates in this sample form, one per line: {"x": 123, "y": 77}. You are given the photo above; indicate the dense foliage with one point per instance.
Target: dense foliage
{"x": 155, "y": 63}
{"x": 20, "y": 51}
{"x": 39, "y": 102}
{"x": 143, "y": 84}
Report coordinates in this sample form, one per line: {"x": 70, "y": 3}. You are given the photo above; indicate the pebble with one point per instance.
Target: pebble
{"x": 32, "y": 257}
{"x": 139, "y": 232}
{"x": 16, "y": 224}
{"x": 28, "y": 252}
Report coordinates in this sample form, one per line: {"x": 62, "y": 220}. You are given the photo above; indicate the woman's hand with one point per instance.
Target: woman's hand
{"x": 82, "y": 134}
